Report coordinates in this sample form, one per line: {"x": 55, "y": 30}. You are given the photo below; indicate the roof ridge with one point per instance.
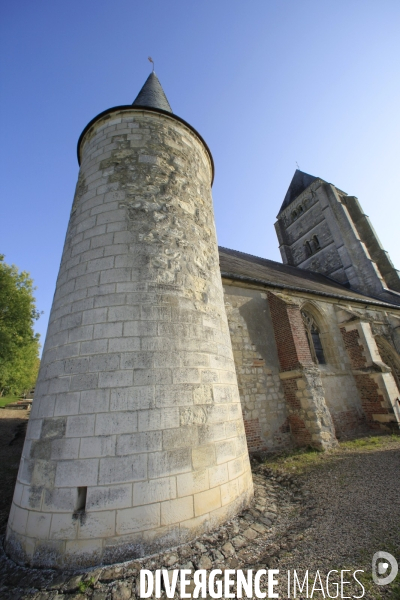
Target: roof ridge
{"x": 299, "y": 270}
{"x": 254, "y": 256}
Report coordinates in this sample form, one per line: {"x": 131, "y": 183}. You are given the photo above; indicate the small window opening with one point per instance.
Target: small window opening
{"x": 316, "y": 242}
{"x": 300, "y": 209}
{"x": 308, "y": 248}
{"x": 313, "y": 338}
{"x": 316, "y": 340}
{"x": 294, "y": 214}
{"x": 81, "y": 500}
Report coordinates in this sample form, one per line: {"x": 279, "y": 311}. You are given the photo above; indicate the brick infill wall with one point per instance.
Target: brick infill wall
{"x": 253, "y": 436}
{"x": 372, "y": 401}
{"x": 354, "y": 348}
{"x": 309, "y": 418}
{"x": 347, "y": 422}
{"x": 300, "y": 433}
{"x": 290, "y": 335}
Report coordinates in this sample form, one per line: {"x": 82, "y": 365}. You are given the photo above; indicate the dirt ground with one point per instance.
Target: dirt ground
{"x": 12, "y": 434}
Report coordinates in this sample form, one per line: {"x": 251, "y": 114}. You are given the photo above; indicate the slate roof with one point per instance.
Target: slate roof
{"x": 248, "y": 268}
{"x": 299, "y": 183}
{"x": 152, "y": 95}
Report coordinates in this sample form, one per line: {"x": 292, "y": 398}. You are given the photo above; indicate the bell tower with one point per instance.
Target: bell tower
{"x": 136, "y": 440}
{"x": 323, "y": 229}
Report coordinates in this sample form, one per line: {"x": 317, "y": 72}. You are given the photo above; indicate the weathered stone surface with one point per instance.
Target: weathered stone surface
{"x": 138, "y": 382}
{"x": 204, "y": 562}
{"x": 213, "y": 550}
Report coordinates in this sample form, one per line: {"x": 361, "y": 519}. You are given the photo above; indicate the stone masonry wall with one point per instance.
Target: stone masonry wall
{"x": 340, "y": 390}
{"x": 257, "y": 369}
{"x": 263, "y": 353}
{"x": 136, "y": 438}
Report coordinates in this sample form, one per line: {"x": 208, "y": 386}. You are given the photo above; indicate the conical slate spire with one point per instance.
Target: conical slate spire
{"x": 152, "y": 95}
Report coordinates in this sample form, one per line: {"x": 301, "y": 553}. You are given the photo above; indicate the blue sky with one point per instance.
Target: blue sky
{"x": 265, "y": 82}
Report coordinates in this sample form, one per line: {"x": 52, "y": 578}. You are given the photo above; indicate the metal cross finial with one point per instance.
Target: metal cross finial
{"x": 152, "y": 61}
{"x": 297, "y": 165}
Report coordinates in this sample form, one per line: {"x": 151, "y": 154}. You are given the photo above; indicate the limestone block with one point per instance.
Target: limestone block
{"x": 82, "y": 551}
{"x": 211, "y": 433}
{"x": 98, "y": 446}
{"x": 235, "y": 468}
{"x": 155, "y": 419}
{"x": 175, "y": 511}
{"x": 132, "y": 398}
{"x": 97, "y": 524}
{"x": 122, "y": 469}
{"x": 38, "y": 525}
{"x": 225, "y": 450}
{"x": 64, "y": 449}
{"x": 147, "y": 441}
{"x": 109, "y": 497}
{"x": 63, "y": 526}
{"x": 59, "y": 500}
{"x": 229, "y": 492}
{"x": 193, "y": 482}
{"x": 77, "y": 473}
{"x": 218, "y": 475}
{"x": 115, "y": 423}
{"x": 180, "y": 437}
{"x": 92, "y": 401}
{"x": 156, "y": 490}
{"x": 124, "y": 344}
{"x": 85, "y": 381}
{"x": 34, "y": 429}
{"x": 19, "y": 520}
{"x": 67, "y": 404}
{"x": 104, "y": 362}
{"x": 19, "y": 488}
{"x": 80, "y": 426}
{"x": 205, "y": 502}
{"x": 138, "y": 518}
{"x": 170, "y": 462}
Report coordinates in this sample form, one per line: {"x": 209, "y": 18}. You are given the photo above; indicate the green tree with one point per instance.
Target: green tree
{"x": 19, "y": 345}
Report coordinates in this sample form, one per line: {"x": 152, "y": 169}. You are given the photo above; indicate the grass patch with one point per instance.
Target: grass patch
{"x": 4, "y": 400}
{"x": 387, "y": 592}
{"x": 370, "y": 442}
{"x": 301, "y": 460}
{"x": 85, "y": 585}
{"x": 295, "y": 461}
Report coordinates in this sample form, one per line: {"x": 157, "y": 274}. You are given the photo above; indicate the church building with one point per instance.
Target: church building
{"x": 316, "y": 340}
{"x": 167, "y": 359}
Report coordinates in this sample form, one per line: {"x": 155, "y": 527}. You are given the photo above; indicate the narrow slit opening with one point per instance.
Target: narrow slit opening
{"x": 81, "y": 500}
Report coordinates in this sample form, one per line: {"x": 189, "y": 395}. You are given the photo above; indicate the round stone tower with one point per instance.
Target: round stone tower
{"x": 136, "y": 440}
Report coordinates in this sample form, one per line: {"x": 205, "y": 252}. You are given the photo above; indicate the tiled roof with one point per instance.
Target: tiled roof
{"x": 249, "y": 268}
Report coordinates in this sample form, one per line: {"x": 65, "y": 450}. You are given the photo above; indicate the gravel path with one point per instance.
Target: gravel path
{"x": 335, "y": 515}
{"x": 353, "y": 511}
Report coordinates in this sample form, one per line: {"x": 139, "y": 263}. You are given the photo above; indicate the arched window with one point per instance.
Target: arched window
{"x": 308, "y": 248}
{"x": 316, "y": 242}
{"x": 313, "y": 338}
{"x": 294, "y": 214}
{"x": 300, "y": 209}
